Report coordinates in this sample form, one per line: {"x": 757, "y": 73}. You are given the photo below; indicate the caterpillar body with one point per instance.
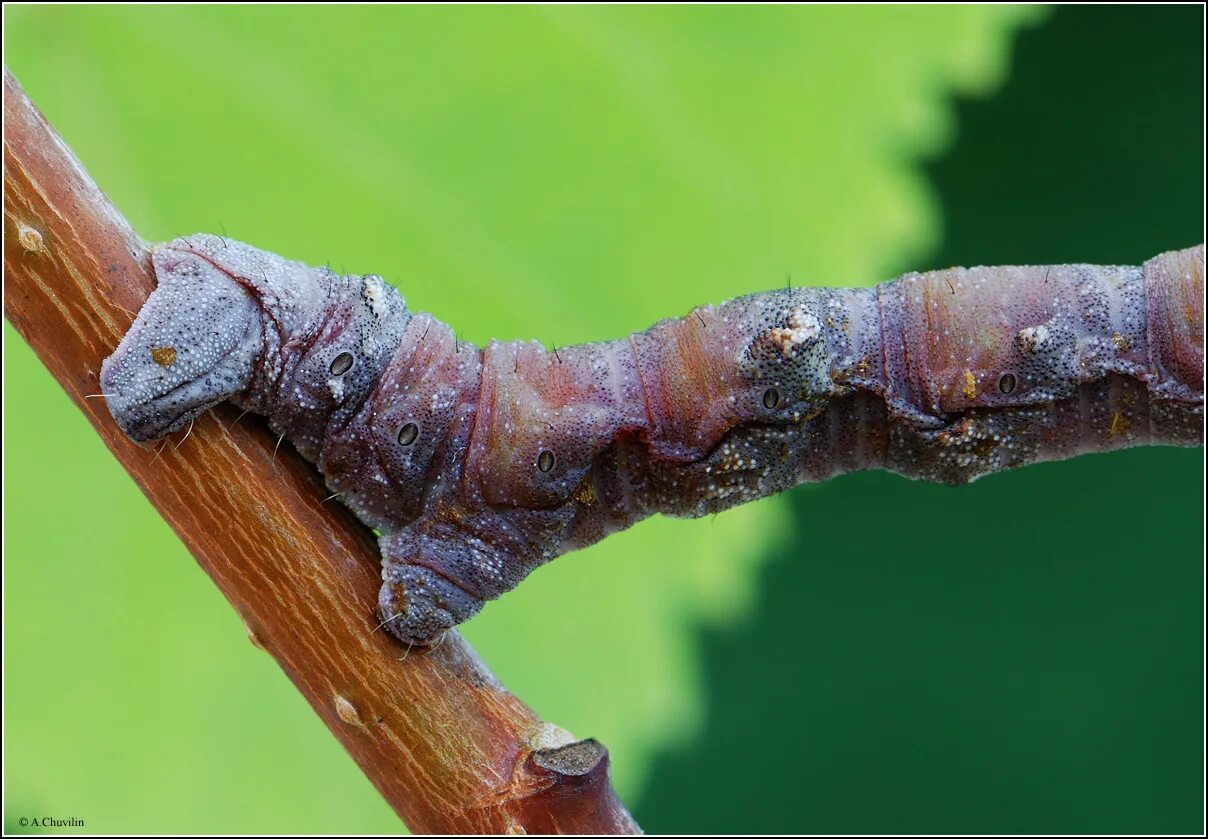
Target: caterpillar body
{"x": 476, "y": 465}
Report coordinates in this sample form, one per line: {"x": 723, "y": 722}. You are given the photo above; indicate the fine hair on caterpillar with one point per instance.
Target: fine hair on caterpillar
{"x": 476, "y": 465}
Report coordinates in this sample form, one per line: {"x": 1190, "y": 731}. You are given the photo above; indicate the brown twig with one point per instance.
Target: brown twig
{"x": 440, "y": 738}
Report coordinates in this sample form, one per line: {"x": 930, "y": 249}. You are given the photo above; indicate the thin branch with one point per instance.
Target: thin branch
{"x": 441, "y": 739}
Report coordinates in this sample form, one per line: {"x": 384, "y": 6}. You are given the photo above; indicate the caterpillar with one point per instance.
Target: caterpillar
{"x": 476, "y": 465}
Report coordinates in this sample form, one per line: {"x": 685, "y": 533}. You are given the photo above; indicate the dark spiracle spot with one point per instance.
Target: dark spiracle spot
{"x": 407, "y": 434}
{"x": 1007, "y": 383}
{"x": 341, "y": 364}
{"x": 771, "y": 398}
{"x": 545, "y": 461}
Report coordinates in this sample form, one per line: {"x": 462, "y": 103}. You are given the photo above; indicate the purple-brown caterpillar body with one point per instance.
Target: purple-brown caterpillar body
{"x": 476, "y": 465}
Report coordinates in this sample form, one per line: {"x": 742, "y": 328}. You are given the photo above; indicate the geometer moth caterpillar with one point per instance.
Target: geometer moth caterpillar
{"x": 476, "y": 465}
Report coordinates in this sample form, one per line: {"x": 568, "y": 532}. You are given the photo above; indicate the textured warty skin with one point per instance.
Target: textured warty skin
{"x": 476, "y": 465}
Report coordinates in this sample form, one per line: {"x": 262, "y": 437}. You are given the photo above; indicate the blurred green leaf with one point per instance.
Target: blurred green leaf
{"x": 568, "y": 174}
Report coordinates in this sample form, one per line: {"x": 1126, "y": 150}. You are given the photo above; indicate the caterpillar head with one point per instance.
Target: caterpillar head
{"x": 193, "y": 345}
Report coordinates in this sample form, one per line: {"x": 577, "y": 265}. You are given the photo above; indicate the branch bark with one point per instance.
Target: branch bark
{"x": 436, "y": 733}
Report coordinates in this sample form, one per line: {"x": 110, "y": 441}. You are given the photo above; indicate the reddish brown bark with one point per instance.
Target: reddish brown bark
{"x": 441, "y": 739}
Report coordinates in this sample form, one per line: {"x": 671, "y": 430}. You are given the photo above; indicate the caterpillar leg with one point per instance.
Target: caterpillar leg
{"x": 417, "y": 605}
{"x": 439, "y": 571}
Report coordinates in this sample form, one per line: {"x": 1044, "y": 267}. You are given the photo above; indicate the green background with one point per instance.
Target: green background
{"x": 868, "y": 655}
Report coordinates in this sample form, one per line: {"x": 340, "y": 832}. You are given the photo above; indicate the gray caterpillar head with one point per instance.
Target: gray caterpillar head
{"x": 193, "y": 345}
